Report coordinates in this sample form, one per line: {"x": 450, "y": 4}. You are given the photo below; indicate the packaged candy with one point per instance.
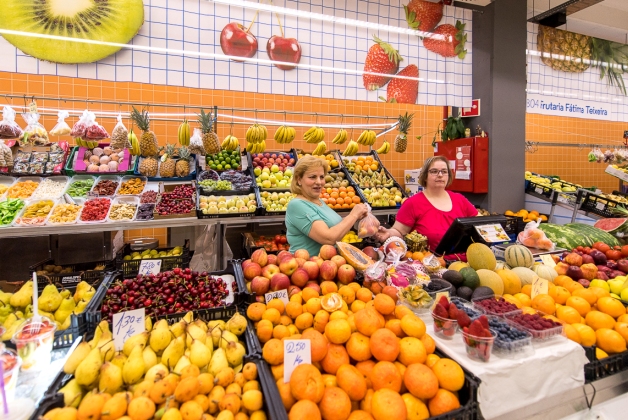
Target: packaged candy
{"x": 8, "y": 127}
{"x": 34, "y": 133}
{"x": 96, "y": 132}
{"x": 21, "y": 168}
{"x": 62, "y": 128}
{"x": 23, "y": 157}
{"x": 50, "y": 167}
{"x": 39, "y": 157}
{"x": 56, "y": 148}
{"x": 37, "y": 168}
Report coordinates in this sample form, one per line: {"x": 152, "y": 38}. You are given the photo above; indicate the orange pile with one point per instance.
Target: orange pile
{"x": 340, "y": 198}
{"x": 371, "y": 359}
{"x": 364, "y": 163}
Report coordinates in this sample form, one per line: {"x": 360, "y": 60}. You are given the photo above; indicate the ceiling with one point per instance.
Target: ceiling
{"x": 607, "y": 19}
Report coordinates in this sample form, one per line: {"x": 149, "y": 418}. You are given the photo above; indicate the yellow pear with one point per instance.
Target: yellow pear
{"x": 156, "y": 373}
{"x": 138, "y": 340}
{"x": 237, "y": 324}
{"x": 173, "y": 352}
{"x": 66, "y": 324}
{"x": 65, "y": 293}
{"x": 200, "y": 354}
{"x": 235, "y": 353}
{"x": 50, "y": 298}
{"x": 178, "y": 328}
{"x": 80, "y": 307}
{"x": 160, "y": 336}
{"x": 201, "y": 324}
{"x": 194, "y": 332}
{"x": 10, "y": 332}
{"x": 218, "y": 362}
{"x": 119, "y": 359}
{"x": 216, "y": 333}
{"x": 226, "y": 338}
{"x": 150, "y": 358}
{"x": 80, "y": 352}
{"x": 81, "y": 288}
{"x": 86, "y": 372}
{"x": 101, "y": 329}
{"x": 188, "y": 317}
{"x": 72, "y": 393}
{"x": 172, "y": 414}
{"x": 22, "y": 297}
{"x": 65, "y": 309}
{"x": 110, "y": 378}
{"x": 182, "y": 363}
{"x": 148, "y": 324}
{"x": 67, "y": 413}
{"x": 134, "y": 367}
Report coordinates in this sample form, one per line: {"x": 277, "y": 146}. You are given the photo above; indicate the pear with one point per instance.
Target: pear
{"x": 110, "y": 378}
{"x": 72, "y": 393}
{"x": 66, "y": 324}
{"x": 119, "y": 359}
{"x": 178, "y": 329}
{"x": 22, "y": 297}
{"x": 188, "y": 317}
{"x": 200, "y": 354}
{"x": 81, "y": 288}
{"x": 226, "y": 338}
{"x": 216, "y": 323}
{"x": 160, "y": 336}
{"x": 65, "y": 309}
{"x": 156, "y": 373}
{"x": 181, "y": 364}
{"x": 50, "y": 298}
{"x": 201, "y": 324}
{"x": 86, "y": 372}
{"x": 9, "y": 321}
{"x": 173, "y": 352}
{"x": 134, "y": 367}
{"x": 5, "y": 297}
{"x": 194, "y": 332}
{"x": 235, "y": 353}
{"x": 106, "y": 346}
{"x": 216, "y": 333}
{"x": 237, "y": 324}
{"x": 80, "y": 307}
{"x": 115, "y": 407}
{"x": 65, "y": 293}
{"x": 218, "y": 362}
{"x": 89, "y": 293}
{"x": 80, "y": 352}
{"x": 10, "y": 332}
{"x": 138, "y": 340}
{"x": 148, "y": 324}
{"x": 102, "y": 328}
{"x": 150, "y": 358}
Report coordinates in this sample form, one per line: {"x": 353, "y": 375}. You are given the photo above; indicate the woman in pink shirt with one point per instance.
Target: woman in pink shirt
{"x": 432, "y": 211}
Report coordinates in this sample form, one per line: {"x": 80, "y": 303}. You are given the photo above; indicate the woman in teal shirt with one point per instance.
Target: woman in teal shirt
{"x": 309, "y": 221}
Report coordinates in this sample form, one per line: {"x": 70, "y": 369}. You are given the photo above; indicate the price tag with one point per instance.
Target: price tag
{"x": 539, "y": 287}
{"x": 126, "y": 325}
{"x": 150, "y": 267}
{"x": 295, "y": 352}
{"x": 600, "y": 206}
{"x": 547, "y": 260}
{"x": 33, "y": 107}
{"x": 279, "y": 294}
{"x": 538, "y": 190}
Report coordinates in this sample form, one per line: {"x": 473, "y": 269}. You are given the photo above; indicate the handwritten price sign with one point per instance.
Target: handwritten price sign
{"x": 279, "y": 294}
{"x": 548, "y": 260}
{"x": 295, "y": 352}
{"x": 539, "y": 287}
{"x": 150, "y": 267}
{"x": 126, "y": 325}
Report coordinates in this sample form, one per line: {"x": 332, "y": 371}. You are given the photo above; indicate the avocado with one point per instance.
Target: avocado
{"x": 453, "y": 277}
{"x": 482, "y": 291}
{"x": 464, "y": 292}
{"x": 471, "y": 278}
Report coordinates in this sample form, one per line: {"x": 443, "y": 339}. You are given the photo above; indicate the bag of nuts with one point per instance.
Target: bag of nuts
{"x": 119, "y": 135}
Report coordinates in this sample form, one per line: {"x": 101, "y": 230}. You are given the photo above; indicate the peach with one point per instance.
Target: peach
{"x": 245, "y": 263}
{"x": 252, "y": 270}
{"x": 329, "y": 269}
{"x": 327, "y": 252}
{"x": 302, "y": 253}
{"x": 272, "y": 259}
{"x": 260, "y": 285}
{"x": 288, "y": 265}
{"x": 300, "y": 262}
{"x": 260, "y": 256}
{"x": 279, "y": 281}
{"x": 313, "y": 285}
{"x": 346, "y": 274}
{"x": 270, "y": 270}
{"x": 312, "y": 269}
{"x": 293, "y": 290}
{"x": 339, "y": 260}
{"x": 300, "y": 277}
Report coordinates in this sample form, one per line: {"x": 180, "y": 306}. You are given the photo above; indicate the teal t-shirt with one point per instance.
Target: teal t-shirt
{"x": 300, "y": 215}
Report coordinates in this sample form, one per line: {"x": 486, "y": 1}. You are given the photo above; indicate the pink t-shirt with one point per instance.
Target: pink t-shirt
{"x": 420, "y": 215}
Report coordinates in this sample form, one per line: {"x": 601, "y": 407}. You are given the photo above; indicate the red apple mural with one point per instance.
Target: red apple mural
{"x": 236, "y": 40}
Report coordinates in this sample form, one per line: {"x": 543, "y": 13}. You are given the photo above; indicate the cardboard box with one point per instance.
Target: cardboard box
{"x": 412, "y": 189}
{"x": 411, "y": 176}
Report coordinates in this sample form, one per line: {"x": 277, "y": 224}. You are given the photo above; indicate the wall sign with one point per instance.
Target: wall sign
{"x": 568, "y": 107}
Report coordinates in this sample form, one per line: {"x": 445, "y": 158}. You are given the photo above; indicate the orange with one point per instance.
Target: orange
{"x": 351, "y": 380}
{"x": 527, "y": 289}
{"x": 559, "y": 294}
{"x": 387, "y": 404}
{"x": 572, "y": 333}
{"x": 338, "y": 315}
{"x": 411, "y": 350}
{"x": 304, "y": 321}
{"x": 560, "y": 280}
{"x": 586, "y": 294}
{"x": 431, "y": 360}
{"x": 255, "y": 311}
{"x": 567, "y": 314}
{"x": 573, "y": 286}
{"x": 600, "y": 292}
{"x": 587, "y": 334}
{"x": 304, "y": 409}
{"x": 544, "y": 303}
{"x": 416, "y": 408}
{"x": 523, "y": 298}
{"x": 428, "y": 343}
{"x": 306, "y": 383}
{"x": 313, "y": 305}
{"x": 386, "y": 375}
{"x": 364, "y": 294}
{"x": 335, "y": 404}
{"x": 366, "y": 367}
{"x": 610, "y": 341}
{"x": 338, "y": 331}
{"x": 273, "y": 315}
{"x": 277, "y": 371}
{"x": 358, "y": 347}
{"x": 413, "y": 326}
{"x": 308, "y": 293}
{"x": 336, "y": 356}
{"x": 329, "y": 380}
{"x": 394, "y": 325}
{"x": 385, "y": 345}
{"x": 328, "y": 287}
{"x": 402, "y": 370}
{"x": 277, "y": 304}
{"x": 443, "y": 402}
{"x": 281, "y": 331}
{"x": 597, "y": 320}
{"x": 320, "y": 320}
{"x": 401, "y": 311}
{"x": 273, "y": 351}
{"x": 579, "y": 304}
{"x": 318, "y": 344}
{"x": 347, "y": 293}
{"x": 286, "y": 396}
{"x": 449, "y": 374}
{"x": 611, "y": 306}
{"x": 384, "y": 304}
{"x": 264, "y": 330}
{"x": 293, "y": 309}
{"x": 623, "y": 318}
{"x": 420, "y": 381}
{"x": 360, "y": 415}
{"x": 368, "y": 320}
{"x": 622, "y": 329}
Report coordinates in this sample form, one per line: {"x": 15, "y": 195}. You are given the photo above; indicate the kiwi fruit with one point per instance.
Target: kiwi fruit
{"x": 114, "y": 21}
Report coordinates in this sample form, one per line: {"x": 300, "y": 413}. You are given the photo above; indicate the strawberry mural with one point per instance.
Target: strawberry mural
{"x": 381, "y": 58}
{"x": 404, "y": 91}
{"x": 423, "y": 15}
{"x": 453, "y": 43}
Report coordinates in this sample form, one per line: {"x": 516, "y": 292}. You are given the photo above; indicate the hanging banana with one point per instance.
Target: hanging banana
{"x": 341, "y": 137}
{"x": 321, "y": 148}
{"x": 314, "y": 135}
{"x": 285, "y": 134}
{"x": 385, "y": 148}
{"x": 135, "y": 144}
{"x": 256, "y": 134}
{"x": 184, "y": 133}
{"x": 351, "y": 149}
{"x": 230, "y": 143}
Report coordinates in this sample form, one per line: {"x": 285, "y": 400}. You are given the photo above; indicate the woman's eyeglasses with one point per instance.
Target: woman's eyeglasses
{"x": 435, "y": 172}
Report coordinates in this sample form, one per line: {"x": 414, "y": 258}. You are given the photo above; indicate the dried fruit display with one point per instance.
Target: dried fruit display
{"x": 95, "y": 210}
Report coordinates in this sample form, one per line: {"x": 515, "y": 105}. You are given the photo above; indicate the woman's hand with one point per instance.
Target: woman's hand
{"x": 359, "y": 211}
{"x": 382, "y": 234}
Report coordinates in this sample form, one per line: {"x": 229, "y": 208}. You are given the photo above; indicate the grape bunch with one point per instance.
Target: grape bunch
{"x": 210, "y": 185}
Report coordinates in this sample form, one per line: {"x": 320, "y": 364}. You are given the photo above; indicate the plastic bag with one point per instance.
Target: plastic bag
{"x": 96, "y": 132}
{"x": 9, "y": 129}
{"x": 534, "y": 237}
{"x": 34, "y": 133}
{"x": 196, "y": 143}
{"x": 119, "y": 135}
{"x": 368, "y": 226}
{"x": 80, "y": 127}
{"x": 62, "y": 128}
{"x": 6, "y": 155}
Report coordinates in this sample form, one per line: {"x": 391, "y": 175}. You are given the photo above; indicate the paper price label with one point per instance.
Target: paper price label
{"x": 295, "y": 352}
{"x": 548, "y": 260}
{"x": 150, "y": 267}
{"x": 538, "y": 190}
{"x": 279, "y": 294}
{"x": 33, "y": 107}
{"x": 539, "y": 287}
{"x": 126, "y": 325}
{"x": 600, "y": 206}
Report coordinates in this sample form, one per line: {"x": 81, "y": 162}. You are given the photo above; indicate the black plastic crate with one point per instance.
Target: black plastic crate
{"x": 598, "y": 369}
{"x": 538, "y": 190}
{"x": 46, "y": 404}
{"x": 80, "y": 272}
{"x": 596, "y": 204}
{"x": 201, "y": 215}
{"x": 360, "y": 192}
{"x": 468, "y": 397}
{"x": 130, "y": 268}
{"x": 262, "y": 209}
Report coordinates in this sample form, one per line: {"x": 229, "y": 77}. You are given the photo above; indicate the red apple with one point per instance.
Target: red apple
{"x": 300, "y": 277}
{"x": 284, "y": 49}
{"x": 293, "y": 290}
{"x": 260, "y": 285}
{"x": 338, "y": 260}
{"x": 328, "y": 270}
{"x": 346, "y": 274}
{"x": 235, "y": 40}
{"x": 245, "y": 263}
{"x": 288, "y": 265}
{"x": 279, "y": 282}
{"x": 302, "y": 253}
{"x": 260, "y": 299}
{"x": 252, "y": 270}
{"x": 270, "y": 270}
{"x": 327, "y": 252}
{"x": 314, "y": 285}
{"x": 260, "y": 256}
{"x": 300, "y": 261}
{"x": 272, "y": 259}
{"x": 284, "y": 254}
{"x": 312, "y": 269}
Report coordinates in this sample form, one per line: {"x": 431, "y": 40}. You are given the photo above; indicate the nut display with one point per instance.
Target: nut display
{"x": 106, "y": 187}
{"x": 64, "y": 213}
{"x": 134, "y": 186}
{"x": 122, "y": 211}
{"x": 22, "y": 189}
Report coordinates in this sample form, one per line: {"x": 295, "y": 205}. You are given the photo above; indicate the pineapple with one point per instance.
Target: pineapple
{"x": 401, "y": 141}
{"x": 166, "y": 170}
{"x": 148, "y": 141}
{"x": 183, "y": 164}
{"x": 210, "y": 139}
{"x": 148, "y": 167}
{"x": 574, "y": 53}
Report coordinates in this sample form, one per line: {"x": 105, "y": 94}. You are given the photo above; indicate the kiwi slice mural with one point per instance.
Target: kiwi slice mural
{"x": 114, "y": 21}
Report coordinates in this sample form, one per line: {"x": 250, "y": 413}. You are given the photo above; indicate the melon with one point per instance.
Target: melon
{"x": 545, "y": 272}
{"x": 612, "y": 226}
{"x": 518, "y": 256}
{"x": 525, "y": 275}
{"x": 480, "y": 257}
{"x": 501, "y": 265}
{"x": 512, "y": 282}
{"x": 458, "y": 265}
{"x": 492, "y": 280}
{"x": 354, "y": 257}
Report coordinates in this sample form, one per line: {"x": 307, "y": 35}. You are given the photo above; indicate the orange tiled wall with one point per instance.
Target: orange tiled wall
{"x": 425, "y": 121}
{"x": 570, "y": 163}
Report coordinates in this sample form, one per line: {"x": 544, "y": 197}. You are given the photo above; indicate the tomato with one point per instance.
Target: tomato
{"x": 284, "y": 240}
{"x": 597, "y": 245}
{"x": 624, "y": 251}
{"x": 617, "y": 248}
{"x": 613, "y": 254}
{"x": 603, "y": 248}
{"x": 587, "y": 249}
{"x": 277, "y": 239}
{"x": 580, "y": 248}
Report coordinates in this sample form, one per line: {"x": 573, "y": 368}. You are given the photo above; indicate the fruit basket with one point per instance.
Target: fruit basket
{"x": 251, "y": 242}
{"x": 246, "y": 209}
{"x": 130, "y": 267}
{"x": 597, "y": 369}
{"x": 76, "y": 164}
{"x": 173, "y": 207}
{"x": 596, "y": 204}
{"x": 237, "y": 181}
{"x": 262, "y": 169}
{"x": 69, "y": 169}
{"x": 225, "y": 160}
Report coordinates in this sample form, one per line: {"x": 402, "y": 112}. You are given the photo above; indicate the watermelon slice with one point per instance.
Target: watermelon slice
{"x": 612, "y": 226}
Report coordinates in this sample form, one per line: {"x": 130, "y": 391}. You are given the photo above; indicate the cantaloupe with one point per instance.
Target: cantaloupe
{"x": 545, "y": 272}
{"x": 492, "y": 280}
{"x": 501, "y": 265}
{"x": 518, "y": 256}
{"x": 480, "y": 257}
{"x": 525, "y": 275}
{"x": 512, "y": 282}
{"x": 458, "y": 265}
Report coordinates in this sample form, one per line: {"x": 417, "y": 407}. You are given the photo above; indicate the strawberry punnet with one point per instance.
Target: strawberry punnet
{"x": 381, "y": 58}
{"x": 453, "y": 43}
{"x": 423, "y": 15}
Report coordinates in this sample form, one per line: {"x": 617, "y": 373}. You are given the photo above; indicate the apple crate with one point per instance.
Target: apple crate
{"x": 597, "y": 369}
{"x": 130, "y": 268}
{"x": 251, "y": 160}
{"x": 227, "y": 194}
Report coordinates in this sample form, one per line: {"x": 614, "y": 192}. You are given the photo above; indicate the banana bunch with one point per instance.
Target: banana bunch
{"x": 285, "y": 134}
{"x": 230, "y": 143}
{"x": 341, "y": 137}
{"x": 385, "y": 148}
{"x": 320, "y": 150}
{"x": 135, "y": 144}
{"x": 256, "y": 134}
{"x": 314, "y": 135}
{"x": 256, "y": 147}
{"x": 367, "y": 138}
{"x": 352, "y": 149}
{"x": 184, "y": 133}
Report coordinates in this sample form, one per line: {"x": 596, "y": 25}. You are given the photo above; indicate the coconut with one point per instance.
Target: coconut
{"x": 104, "y": 160}
{"x": 107, "y": 150}
{"x": 94, "y": 159}
{"x": 103, "y": 168}
{"x": 97, "y": 151}
{"x": 93, "y": 168}
{"x": 113, "y": 166}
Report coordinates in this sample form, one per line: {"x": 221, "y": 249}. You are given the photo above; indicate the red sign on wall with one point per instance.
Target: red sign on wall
{"x": 473, "y": 111}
